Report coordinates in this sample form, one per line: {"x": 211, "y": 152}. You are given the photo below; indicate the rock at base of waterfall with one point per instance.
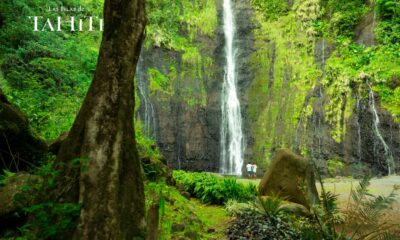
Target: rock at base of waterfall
{"x": 291, "y": 177}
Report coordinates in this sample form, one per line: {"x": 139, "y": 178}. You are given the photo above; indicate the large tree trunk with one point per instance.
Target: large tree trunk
{"x": 110, "y": 185}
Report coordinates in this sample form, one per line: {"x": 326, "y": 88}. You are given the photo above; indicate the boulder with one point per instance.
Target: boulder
{"x": 291, "y": 177}
{"x": 294, "y": 208}
{"x": 19, "y": 148}
{"x": 17, "y": 193}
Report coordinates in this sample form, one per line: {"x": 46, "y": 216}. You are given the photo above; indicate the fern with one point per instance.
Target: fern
{"x": 365, "y": 210}
{"x": 270, "y": 205}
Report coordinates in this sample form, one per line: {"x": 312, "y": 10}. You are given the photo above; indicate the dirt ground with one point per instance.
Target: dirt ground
{"x": 379, "y": 186}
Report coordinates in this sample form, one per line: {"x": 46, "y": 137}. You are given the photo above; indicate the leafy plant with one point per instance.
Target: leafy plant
{"x": 269, "y": 205}
{"x": 360, "y": 221}
{"x": 47, "y": 218}
{"x": 212, "y": 189}
{"x": 235, "y": 208}
{"x": 364, "y": 212}
{"x": 51, "y": 220}
{"x": 271, "y": 9}
{"x": 334, "y": 166}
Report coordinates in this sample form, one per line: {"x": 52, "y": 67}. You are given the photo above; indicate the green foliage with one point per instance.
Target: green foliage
{"x": 3, "y": 177}
{"x": 364, "y": 211}
{"x": 308, "y": 12}
{"x": 361, "y": 219}
{"x": 388, "y": 29}
{"x": 390, "y": 99}
{"x": 51, "y": 220}
{"x": 343, "y": 16}
{"x": 158, "y": 81}
{"x": 153, "y": 162}
{"x": 271, "y": 9}
{"x": 176, "y": 26}
{"x": 48, "y": 219}
{"x": 235, "y": 208}
{"x": 388, "y": 9}
{"x": 166, "y": 19}
{"x": 46, "y": 74}
{"x": 334, "y": 166}
{"x": 269, "y": 205}
{"x": 285, "y": 72}
{"x": 177, "y": 210}
{"x": 212, "y": 189}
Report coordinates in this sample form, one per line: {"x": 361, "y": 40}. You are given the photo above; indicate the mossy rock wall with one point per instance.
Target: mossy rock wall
{"x": 305, "y": 74}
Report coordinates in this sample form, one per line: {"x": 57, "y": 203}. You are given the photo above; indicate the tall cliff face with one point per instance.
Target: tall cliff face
{"x": 298, "y": 85}
{"x": 182, "y": 131}
{"x": 313, "y": 93}
{"x": 188, "y": 114}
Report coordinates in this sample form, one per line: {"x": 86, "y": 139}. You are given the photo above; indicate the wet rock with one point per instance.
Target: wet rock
{"x": 364, "y": 31}
{"x": 291, "y": 177}
{"x": 187, "y": 126}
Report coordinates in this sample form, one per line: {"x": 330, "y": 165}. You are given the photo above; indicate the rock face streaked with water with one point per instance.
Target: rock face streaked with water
{"x": 189, "y": 135}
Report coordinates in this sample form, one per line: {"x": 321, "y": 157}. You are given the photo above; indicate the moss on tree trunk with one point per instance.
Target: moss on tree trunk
{"x": 110, "y": 185}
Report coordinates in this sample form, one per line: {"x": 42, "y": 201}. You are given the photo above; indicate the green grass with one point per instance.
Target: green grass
{"x": 213, "y": 217}
{"x": 247, "y": 181}
{"x": 207, "y": 221}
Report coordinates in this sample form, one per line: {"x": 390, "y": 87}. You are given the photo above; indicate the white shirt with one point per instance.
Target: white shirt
{"x": 254, "y": 168}
{"x": 248, "y": 167}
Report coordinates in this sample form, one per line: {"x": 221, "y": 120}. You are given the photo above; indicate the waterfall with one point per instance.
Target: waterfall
{"x": 321, "y": 96}
{"x": 374, "y": 16}
{"x": 148, "y": 116}
{"x": 358, "y": 129}
{"x": 388, "y": 154}
{"x": 231, "y": 161}
{"x": 323, "y": 54}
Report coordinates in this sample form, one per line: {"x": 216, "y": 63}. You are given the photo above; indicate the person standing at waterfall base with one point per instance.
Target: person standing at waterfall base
{"x": 254, "y": 170}
{"x": 249, "y": 172}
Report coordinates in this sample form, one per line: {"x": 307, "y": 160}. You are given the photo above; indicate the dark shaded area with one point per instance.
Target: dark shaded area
{"x": 19, "y": 148}
{"x": 252, "y": 225}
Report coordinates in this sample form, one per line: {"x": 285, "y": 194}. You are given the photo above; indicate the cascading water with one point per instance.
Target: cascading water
{"x": 358, "y": 129}
{"x": 231, "y": 122}
{"x": 321, "y": 96}
{"x": 148, "y": 117}
{"x": 374, "y": 16}
{"x": 388, "y": 153}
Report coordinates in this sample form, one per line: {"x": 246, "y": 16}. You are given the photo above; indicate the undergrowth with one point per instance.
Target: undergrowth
{"x": 212, "y": 189}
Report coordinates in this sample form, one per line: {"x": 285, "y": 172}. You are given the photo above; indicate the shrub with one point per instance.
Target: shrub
{"x": 51, "y": 220}
{"x": 212, "y": 189}
{"x": 335, "y": 167}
